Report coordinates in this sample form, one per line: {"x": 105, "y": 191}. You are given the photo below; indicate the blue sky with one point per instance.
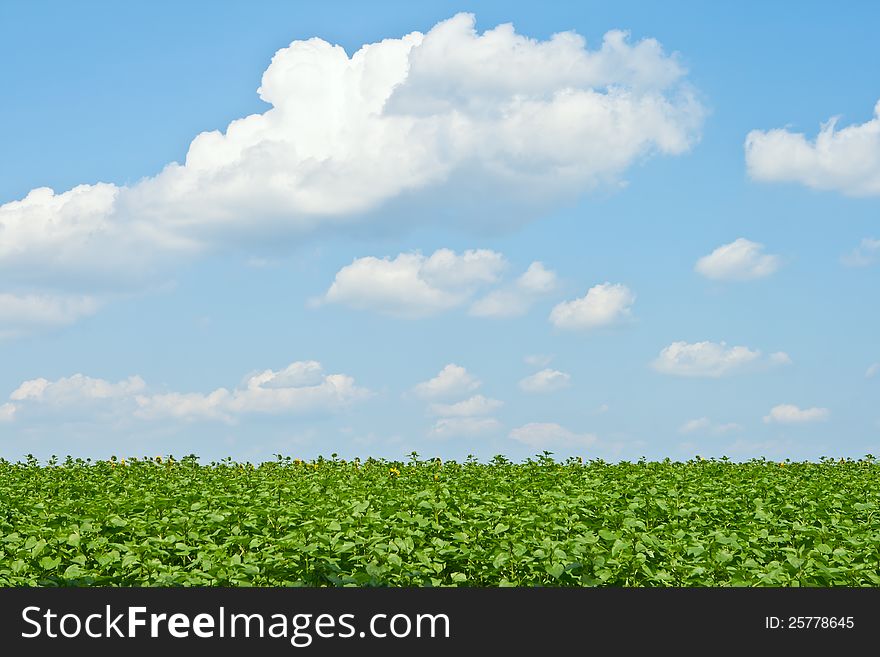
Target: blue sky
{"x": 470, "y": 240}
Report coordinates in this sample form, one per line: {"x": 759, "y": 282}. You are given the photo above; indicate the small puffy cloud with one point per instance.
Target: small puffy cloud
{"x": 741, "y": 260}
{"x": 413, "y": 285}
{"x": 791, "y": 414}
{"x": 476, "y": 405}
{"x": 25, "y": 314}
{"x": 865, "y": 254}
{"x": 603, "y": 305}
{"x": 705, "y": 425}
{"x": 458, "y": 427}
{"x": 546, "y": 380}
{"x": 546, "y": 435}
{"x": 712, "y": 359}
{"x": 845, "y": 160}
{"x": 452, "y": 381}
{"x": 780, "y": 358}
{"x": 516, "y": 299}
{"x": 7, "y": 412}
{"x": 537, "y": 279}
{"x": 872, "y": 371}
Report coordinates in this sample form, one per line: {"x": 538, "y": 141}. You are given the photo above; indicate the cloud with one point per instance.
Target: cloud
{"x": 866, "y": 254}
{"x": 741, "y": 260}
{"x": 711, "y": 359}
{"x": 705, "y": 425}
{"x": 7, "y": 412}
{"x": 537, "y": 360}
{"x": 516, "y": 299}
{"x": 457, "y": 427}
{"x": 872, "y": 371}
{"x": 791, "y": 414}
{"x": 544, "y": 435}
{"x": 603, "y": 305}
{"x": 76, "y": 389}
{"x": 413, "y": 285}
{"x": 546, "y": 380}
{"x": 298, "y": 374}
{"x": 476, "y": 405}
{"x": 780, "y": 358}
{"x": 300, "y": 388}
{"x": 452, "y": 381}
{"x": 480, "y": 128}
{"x": 25, "y": 314}
{"x": 845, "y": 160}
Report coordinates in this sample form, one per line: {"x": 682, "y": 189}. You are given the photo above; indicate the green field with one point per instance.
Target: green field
{"x": 328, "y": 522}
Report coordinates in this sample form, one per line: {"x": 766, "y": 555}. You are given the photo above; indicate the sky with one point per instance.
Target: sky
{"x": 606, "y": 230}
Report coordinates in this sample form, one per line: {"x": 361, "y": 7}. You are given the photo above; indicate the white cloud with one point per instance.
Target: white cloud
{"x": 76, "y": 389}
{"x": 712, "y": 359}
{"x": 603, "y": 305}
{"x": 476, "y": 405}
{"x": 872, "y": 371}
{"x": 791, "y": 414}
{"x": 7, "y": 412}
{"x": 705, "y": 425}
{"x": 845, "y": 160}
{"x": 413, "y": 285}
{"x": 544, "y": 435}
{"x": 537, "y": 360}
{"x": 186, "y": 406}
{"x": 546, "y": 380}
{"x": 452, "y": 381}
{"x": 780, "y": 358}
{"x": 516, "y": 299}
{"x": 300, "y": 388}
{"x": 25, "y": 314}
{"x": 741, "y": 260}
{"x": 298, "y": 374}
{"x": 867, "y": 253}
{"x": 490, "y": 127}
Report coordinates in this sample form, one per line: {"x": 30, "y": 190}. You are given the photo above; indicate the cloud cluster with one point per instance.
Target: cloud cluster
{"x": 741, "y": 260}
{"x": 791, "y": 414}
{"x": 845, "y": 160}
{"x": 465, "y": 417}
{"x": 413, "y": 285}
{"x": 426, "y": 126}
{"x": 301, "y": 388}
{"x": 712, "y": 359}
{"x": 603, "y": 305}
